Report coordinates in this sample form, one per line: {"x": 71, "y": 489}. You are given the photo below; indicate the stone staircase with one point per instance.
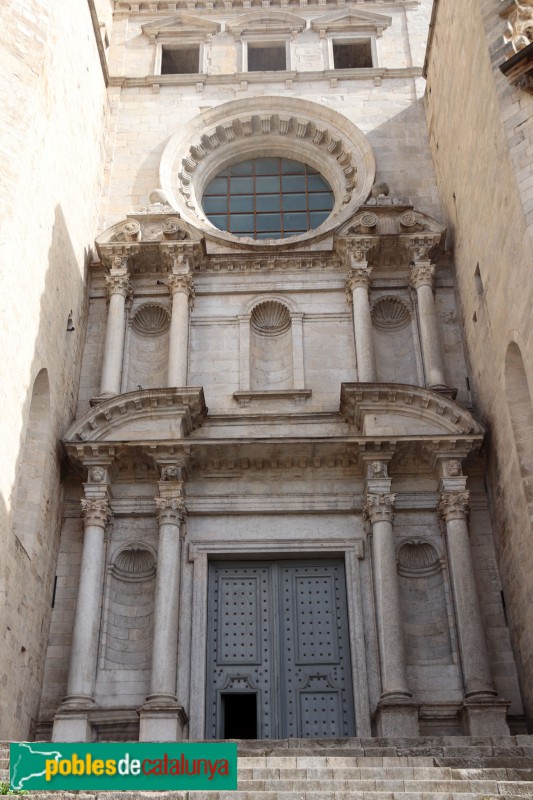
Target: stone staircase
{"x": 444, "y": 768}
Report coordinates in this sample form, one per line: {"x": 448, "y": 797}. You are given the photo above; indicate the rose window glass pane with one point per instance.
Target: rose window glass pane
{"x": 268, "y": 198}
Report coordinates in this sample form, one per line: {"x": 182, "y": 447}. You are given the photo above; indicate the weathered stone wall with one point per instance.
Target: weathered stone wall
{"x": 52, "y": 143}
{"x": 481, "y": 132}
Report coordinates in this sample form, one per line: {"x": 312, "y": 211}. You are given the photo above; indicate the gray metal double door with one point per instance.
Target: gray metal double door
{"x": 278, "y": 651}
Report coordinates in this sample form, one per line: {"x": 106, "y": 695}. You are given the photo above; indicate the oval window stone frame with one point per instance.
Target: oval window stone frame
{"x": 268, "y": 126}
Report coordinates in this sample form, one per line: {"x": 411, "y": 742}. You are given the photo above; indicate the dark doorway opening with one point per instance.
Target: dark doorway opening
{"x": 239, "y": 712}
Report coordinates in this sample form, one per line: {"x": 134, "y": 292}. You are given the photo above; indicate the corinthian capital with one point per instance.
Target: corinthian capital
{"x": 181, "y": 283}
{"x": 358, "y": 277}
{"x": 170, "y": 510}
{"x": 118, "y": 284}
{"x": 379, "y": 507}
{"x": 422, "y": 275}
{"x": 96, "y": 511}
{"x": 453, "y": 505}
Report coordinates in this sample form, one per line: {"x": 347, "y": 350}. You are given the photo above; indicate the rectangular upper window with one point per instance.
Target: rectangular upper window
{"x": 267, "y": 58}
{"x": 352, "y": 55}
{"x": 180, "y": 61}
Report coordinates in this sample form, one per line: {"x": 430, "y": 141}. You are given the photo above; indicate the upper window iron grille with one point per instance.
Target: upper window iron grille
{"x": 268, "y": 198}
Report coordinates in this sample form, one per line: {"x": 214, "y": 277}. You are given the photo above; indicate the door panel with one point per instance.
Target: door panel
{"x": 279, "y": 630}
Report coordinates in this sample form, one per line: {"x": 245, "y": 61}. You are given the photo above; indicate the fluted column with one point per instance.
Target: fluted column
{"x": 379, "y": 510}
{"x": 182, "y": 289}
{"x": 453, "y": 508}
{"x": 118, "y": 289}
{"x": 84, "y": 652}
{"x": 161, "y": 714}
{"x": 357, "y": 286}
{"x": 422, "y": 278}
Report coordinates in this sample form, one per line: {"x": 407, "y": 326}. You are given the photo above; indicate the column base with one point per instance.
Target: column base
{"x": 162, "y": 721}
{"x": 485, "y": 716}
{"x": 397, "y": 716}
{"x": 72, "y": 726}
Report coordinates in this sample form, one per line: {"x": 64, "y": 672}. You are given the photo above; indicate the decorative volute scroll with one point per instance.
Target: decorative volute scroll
{"x": 389, "y": 233}
{"x": 520, "y": 25}
{"x": 160, "y": 239}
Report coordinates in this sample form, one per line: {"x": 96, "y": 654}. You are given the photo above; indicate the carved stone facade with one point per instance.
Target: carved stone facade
{"x": 273, "y": 415}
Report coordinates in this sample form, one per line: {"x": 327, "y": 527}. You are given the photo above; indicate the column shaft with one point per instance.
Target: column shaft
{"x": 165, "y": 641}
{"x": 357, "y": 285}
{"x": 388, "y": 610}
{"x": 82, "y": 672}
{"x": 422, "y": 280}
{"x": 476, "y": 670}
{"x": 178, "y": 354}
{"x": 118, "y": 288}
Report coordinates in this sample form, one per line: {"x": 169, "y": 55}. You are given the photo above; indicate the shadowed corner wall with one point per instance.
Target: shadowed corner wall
{"x": 52, "y": 137}
{"x": 481, "y": 133}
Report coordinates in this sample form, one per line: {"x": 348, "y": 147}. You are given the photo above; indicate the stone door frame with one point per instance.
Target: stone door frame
{"x": 200, "y": 553}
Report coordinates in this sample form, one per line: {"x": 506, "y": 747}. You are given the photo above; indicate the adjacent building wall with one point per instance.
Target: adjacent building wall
{"x": 52, "y": 139}
{"x": 481, "y": 132}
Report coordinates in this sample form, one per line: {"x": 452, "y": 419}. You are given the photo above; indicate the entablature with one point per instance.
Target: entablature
{"x": 151, "y": 7}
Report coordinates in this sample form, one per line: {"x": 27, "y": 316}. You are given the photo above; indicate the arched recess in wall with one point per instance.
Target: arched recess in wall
{"x": 271, "y": 359}
{"x": 394, "y": 344}
{"x": 29, "y": 505}
{"x": 424, "y": 608}
{"x": 124, "y": 667}
{"x": 521, "y": 412}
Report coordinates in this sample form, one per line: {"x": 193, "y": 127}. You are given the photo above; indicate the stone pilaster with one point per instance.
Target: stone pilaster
{"x": 480, "y": 695}
{"x": 357, "y": 287}
{"x": 422, "y": 279}
{"x": 162, "y": 718}
{"x": 182, "y": 290}
{"x": 72, "y": 720}
{"x": 396, "y": 715}
{"x": 118, "y": 289}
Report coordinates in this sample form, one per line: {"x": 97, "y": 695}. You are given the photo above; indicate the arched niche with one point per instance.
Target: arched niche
{"x": 424, "y": 607}
{"x": 124, "y": 670}
{"x": 394, "y": 345}
{"x": 521, "y": 413}
{"x": 271, "y": 358}
{"x": 29, "y": 504}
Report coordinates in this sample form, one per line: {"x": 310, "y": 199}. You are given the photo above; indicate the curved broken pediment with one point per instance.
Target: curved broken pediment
{"x": 148, "y": 414}
{"x": 395, "y": 409}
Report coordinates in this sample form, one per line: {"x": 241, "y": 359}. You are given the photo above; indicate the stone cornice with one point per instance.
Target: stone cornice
{"x": 143, "y": 414}
{"x": 374, "y": 74}
{"x": 149, "y": 7}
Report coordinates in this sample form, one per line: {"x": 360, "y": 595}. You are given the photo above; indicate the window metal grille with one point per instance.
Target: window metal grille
{"x": 268, "y": 198}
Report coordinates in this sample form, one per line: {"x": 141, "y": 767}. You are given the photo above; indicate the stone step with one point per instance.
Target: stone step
{"x": 269, "y": 796}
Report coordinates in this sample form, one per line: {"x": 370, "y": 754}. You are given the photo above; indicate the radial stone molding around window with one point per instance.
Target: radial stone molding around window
{"x": 268, "y": 198}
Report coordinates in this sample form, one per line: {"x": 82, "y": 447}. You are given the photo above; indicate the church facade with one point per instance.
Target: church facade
{"x": 274, "y": 519}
